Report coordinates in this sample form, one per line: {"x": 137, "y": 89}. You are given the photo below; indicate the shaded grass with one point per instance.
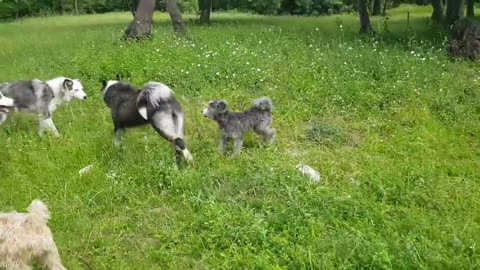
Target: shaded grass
{"x": 395, "y": 137}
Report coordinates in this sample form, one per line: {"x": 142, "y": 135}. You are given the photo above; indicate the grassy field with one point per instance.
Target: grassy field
{"x": 391, "y": 123}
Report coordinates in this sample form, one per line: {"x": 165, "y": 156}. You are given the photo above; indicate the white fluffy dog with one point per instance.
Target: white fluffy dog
{"x": 24, "y": 236}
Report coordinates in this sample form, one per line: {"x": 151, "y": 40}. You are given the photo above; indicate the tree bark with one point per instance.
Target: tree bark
{"x": 377, "y": 8}
{"x": 365, "y": 26}
{"x": 370, "y": 6}
{"x": 355, "y": 5}
{"x": 176, "y": 17}
{"x": 205, "y": 7}
{"x": 455, "y": 10}
{"x": 141, "y": 26}
{"x": 385, "y": 4}
{"x": 438, "y": 14}
{"x": 61, "y": 4}
{"x": 75, "y": 6}
{"x": 131, "y": 5}
{"x": 470, "y": 9}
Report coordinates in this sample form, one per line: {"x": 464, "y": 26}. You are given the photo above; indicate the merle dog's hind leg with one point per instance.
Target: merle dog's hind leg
{"x": 45, "y": 122}
{"x": 117, "y": 138}
{"x": 164, "y": 124}
{"x": 178, "y": 154}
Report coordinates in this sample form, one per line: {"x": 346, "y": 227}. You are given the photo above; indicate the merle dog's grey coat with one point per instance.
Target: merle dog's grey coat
{"x": 29, "y": 96}
{"x": 42, "y": 97}
{"x": 160, "y": 109}
{"x": 236, "y": 124}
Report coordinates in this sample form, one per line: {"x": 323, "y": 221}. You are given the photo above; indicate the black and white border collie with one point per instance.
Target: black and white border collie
{"x": 154, "y": 104}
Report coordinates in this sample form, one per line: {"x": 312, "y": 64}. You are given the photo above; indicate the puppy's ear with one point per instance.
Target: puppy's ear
{"x": 68, "y": 84}
{"x": 222, "y": 106}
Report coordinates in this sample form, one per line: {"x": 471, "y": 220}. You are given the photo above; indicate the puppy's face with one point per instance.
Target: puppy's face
{"x": 74, "y": 89}
{"x": 215, "y": 108}
{"x": 5, "y": 103}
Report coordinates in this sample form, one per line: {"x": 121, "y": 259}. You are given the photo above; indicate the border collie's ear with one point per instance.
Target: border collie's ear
{"x": 68, "y": 84}
{"x": 222, "y": 106}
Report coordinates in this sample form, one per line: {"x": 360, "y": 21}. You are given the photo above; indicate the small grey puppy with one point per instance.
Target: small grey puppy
{"x": 236, "y": 124}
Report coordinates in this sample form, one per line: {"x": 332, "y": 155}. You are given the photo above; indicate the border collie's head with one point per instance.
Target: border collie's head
{"x": 73, "y": 88}
{"x": 5, "y": 103}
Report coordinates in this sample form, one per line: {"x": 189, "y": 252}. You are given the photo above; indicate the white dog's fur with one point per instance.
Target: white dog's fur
{"x": 26, "y": 236}
{"x": 5, "y": 102}
{"x": 57, "y": 86}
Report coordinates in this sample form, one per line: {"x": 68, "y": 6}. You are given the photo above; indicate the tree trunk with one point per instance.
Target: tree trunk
{"x": 385, "y": 4}
{"x": 370, "y": 6}
{"x": 141, "y": 26}
{"x": 176, "y": 17}
{"x": 355, "y": 5}
{"x": 377, "y": 8}
{"x": 75, "y": 6}
{"x": 455, "y": 10}
{"x": 438, "y": 15}
{"x": 365, "y": 26}
{"x": 61, "y": 7}
{"x": 131, "y": 5}
{"x": 205, "y": 7}
{"x": 470, "y": 9}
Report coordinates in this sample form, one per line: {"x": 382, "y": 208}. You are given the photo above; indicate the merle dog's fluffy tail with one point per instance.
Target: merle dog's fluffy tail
{"x": 152, "y": 96}
{"x": 264, "y": 104}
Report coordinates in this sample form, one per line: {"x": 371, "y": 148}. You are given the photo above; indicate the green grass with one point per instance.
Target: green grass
{"x": 389, "y": 121}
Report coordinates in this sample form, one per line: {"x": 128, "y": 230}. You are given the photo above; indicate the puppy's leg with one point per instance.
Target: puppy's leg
{"x": 117, "y": 138}
{"x": 267, "y": 133}
{"x": 237, "y": 146}
{"x": 51, "y": 259}
{"x": 223, "y": 142}
{"x": 163, "y": 123}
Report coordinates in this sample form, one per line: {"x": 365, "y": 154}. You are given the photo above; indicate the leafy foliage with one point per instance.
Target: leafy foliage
{"x": 20, "y": 8}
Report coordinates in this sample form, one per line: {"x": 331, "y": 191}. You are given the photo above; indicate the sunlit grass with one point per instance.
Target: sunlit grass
{"x": 388, "y": 120}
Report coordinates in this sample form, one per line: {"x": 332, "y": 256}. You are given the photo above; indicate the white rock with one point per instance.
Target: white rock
{"x": 309, "y": 171}
{"x": 85, "y": 169}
